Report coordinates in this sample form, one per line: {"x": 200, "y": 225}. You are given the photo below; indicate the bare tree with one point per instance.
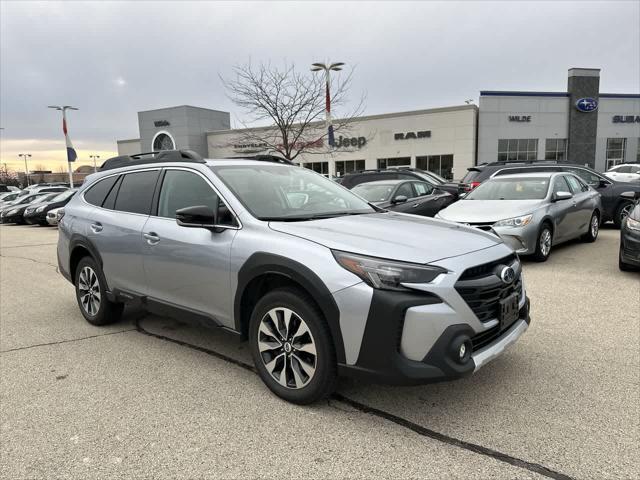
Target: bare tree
{"x": 294, "y": 105}
{"x": 61, "y": 169}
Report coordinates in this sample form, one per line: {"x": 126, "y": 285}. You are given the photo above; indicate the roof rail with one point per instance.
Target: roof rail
{"x": 152, "y": 157}
{"x": 263, "y": 158}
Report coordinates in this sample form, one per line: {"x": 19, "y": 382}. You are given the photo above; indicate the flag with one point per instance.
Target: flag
{"x": 71, "y": 153}
{"x": 327, "y": 108}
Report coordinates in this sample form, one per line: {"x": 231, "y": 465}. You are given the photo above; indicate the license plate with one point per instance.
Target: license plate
{"x": 509, "y": 311}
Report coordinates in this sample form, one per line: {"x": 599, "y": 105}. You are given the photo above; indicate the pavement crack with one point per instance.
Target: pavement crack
{"x": 402, "y": 422}
{"x": 26, "y": 246}
{"x": 66, "y": 341}
{"x": 31, "y": 260}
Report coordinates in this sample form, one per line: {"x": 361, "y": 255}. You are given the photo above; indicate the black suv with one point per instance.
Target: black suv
{"x": 350, "y": 180}
{"x": 615, "y": 207}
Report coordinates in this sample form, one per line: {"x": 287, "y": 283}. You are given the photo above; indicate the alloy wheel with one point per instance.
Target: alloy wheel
{"x": 89, "y": 291}
{"x": 595, "y": 224}
{"x": 287, "y": 348}
{"x": 545, "y": 242}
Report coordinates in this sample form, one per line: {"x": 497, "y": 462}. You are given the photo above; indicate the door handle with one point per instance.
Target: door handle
{"x": 152, "y": 238}
{"x": 96, "y": 227}
{"x": 415, "y": 205}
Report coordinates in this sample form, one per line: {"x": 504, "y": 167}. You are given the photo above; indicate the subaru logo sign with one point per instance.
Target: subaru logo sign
{"x": 587, "y": 104}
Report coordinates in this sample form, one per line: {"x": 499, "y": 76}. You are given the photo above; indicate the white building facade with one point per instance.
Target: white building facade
{"x": 442, "y": 140}
{"x": 516, "y": 126}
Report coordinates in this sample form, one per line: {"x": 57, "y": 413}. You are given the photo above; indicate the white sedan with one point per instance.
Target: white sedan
{"x": 625, "y": 172}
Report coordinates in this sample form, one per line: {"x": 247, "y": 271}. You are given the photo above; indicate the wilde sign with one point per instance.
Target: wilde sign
{"x": 343, "y": 142}
{"x": 626, "y": 119}
{"x": 519, "y": 118}
{"x": 412, "y": 135}
{"x": 161, "y": 123}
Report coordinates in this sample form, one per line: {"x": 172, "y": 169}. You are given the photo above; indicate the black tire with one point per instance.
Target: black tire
{"x": 592, "y": 229}
{"x": 618, "y": 216}
{"x": 322, "y": 382}
{"x": 541, "y": 255}
{"x": 107, "y": 312}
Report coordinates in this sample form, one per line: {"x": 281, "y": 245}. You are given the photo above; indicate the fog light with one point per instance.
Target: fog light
{"x": 463, "y": 351}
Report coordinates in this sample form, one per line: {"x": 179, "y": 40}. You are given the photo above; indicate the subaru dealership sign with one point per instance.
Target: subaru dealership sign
{"x": 587, "y": 104}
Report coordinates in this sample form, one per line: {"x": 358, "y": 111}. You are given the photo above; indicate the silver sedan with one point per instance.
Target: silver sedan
{"x": 531, "y": 212}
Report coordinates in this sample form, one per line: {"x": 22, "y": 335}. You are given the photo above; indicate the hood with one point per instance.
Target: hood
{"x": 394, "y": 236}
{"x": 488, "y": 211}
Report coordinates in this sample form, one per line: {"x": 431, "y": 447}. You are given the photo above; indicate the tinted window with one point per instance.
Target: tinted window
{"x": 623, "y": 169}
{"x": 110, "y": 201}
{"x": 422, "y": 188}
{"x": 405, "y": 190}
{"x": 136, "y": 192}
{"x": 589, "y": 177}
{"x": 95, "y": 195}
{"x": 470, "y": 176}
{"x": 182, "y": 189}
{"x": 573, "y": 184}
{"x": 560, "y": 185}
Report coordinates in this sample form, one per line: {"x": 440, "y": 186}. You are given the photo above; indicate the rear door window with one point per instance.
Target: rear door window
{"x": 405, "y": 190}
{"x": 136, "y": 192}
{"x": 96, "y": 194}
{"x": 574, "y": 184}
{"x": 422, "y": 188}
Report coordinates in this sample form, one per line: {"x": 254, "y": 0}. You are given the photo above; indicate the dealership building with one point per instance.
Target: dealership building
{"x": 580, "y": 125}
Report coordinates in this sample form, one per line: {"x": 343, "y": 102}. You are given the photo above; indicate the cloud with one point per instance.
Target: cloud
{"x": 120, "y": 82}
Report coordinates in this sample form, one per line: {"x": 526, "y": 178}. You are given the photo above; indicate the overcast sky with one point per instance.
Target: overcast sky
{"x": 113, "y": 59}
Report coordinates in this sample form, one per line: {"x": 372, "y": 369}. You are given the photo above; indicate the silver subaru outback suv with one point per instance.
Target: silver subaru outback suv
{"x": 319, "y": 281}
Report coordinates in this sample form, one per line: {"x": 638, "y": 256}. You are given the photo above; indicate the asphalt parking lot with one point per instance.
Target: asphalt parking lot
{"x": 154, "y": 397}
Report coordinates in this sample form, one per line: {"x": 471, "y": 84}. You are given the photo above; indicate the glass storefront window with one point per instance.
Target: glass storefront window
{"x": 517, "y": 149}
{"x": 348, "y": 166}
{"x": 615, "y": 151}
{"x": 439, "y": 164}
{"x": 394, "y": 162}
{"x": 555, "y": 149}
{"x": 320, "y": 167}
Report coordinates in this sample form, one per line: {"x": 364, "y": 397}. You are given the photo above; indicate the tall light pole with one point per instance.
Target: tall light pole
{"x": 71, "y": 153}
{"x": 26, "y": 168}
{"x": 327, "y": 68}
{"x": 94, "y": 157}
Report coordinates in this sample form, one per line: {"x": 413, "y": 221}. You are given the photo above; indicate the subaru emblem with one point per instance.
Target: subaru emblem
{"x": 507, "y": 275}
{"x": 587, "y": 104}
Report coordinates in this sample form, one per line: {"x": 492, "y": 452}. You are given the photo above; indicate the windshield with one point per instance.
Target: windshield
{"x": 374, "y": 192}
{"x": 472, "y": 173}
{"x": 511, "y": 189}
{"x": 280, "y": 192}
{"x": 63, "y": 196}
{"x": 432, "y": 177}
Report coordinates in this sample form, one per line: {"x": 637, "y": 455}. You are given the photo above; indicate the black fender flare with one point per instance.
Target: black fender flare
{"x": 261, "y": 263}
{"x": 78, "y": 240}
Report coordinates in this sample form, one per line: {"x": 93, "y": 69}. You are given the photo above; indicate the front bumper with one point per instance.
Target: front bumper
{"x": 414, "y": 337}
{"x": 630, "y": 246}
{"x": 521, "y": 239}
{"x": 33, "y": 218}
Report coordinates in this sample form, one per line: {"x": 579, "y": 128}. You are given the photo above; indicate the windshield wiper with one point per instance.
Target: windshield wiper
{"x": 317, "y": 216}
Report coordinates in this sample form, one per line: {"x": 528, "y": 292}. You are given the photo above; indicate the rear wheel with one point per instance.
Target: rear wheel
{"x": 543, "y": 244}
{"x": 592, "y": 229}
{"x": 292, "y": 347}
{"x": 621, "y": 212}
{"x": 91, "y": 294}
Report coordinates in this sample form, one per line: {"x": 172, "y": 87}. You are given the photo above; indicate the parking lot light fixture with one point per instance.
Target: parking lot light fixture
{"x": 94, "y": 157}
{"x": 26, "y": 168}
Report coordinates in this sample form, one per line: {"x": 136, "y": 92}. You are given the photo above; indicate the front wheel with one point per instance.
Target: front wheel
{"x": 543, "y": 244}
{"x": 592, "y": 229}
{"x": 622, "y": 211}
{"x": 292, "y": 347}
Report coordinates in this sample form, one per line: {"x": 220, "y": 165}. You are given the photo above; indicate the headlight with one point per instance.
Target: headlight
{"x": 386, "y": 274}
{"x": 60, "y": 214}
{"x": 40, "y": 209}
{"x": 514, "y": 222}
{"x": 633, "y": 224}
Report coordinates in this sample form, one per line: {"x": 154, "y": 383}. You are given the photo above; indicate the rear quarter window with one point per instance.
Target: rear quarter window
{"x": 96, "y": 194}
{"x": 136, "y": 192}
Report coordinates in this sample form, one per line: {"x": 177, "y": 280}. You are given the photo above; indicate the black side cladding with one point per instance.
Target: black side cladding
{"x": 261, "y": 263}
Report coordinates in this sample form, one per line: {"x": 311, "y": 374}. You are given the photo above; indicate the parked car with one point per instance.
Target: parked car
{"x": 629, "y": 257}
{"x": 625, "y": 172}
{"x": 34, "y": 186}
{"x": 532, "y": 212}
{"x": 15, "y": 212}
{"x": 38, "y": 213}
{"x": 54, "y": 215}
{"x": 319, "y": 289}
{"x": 7, "y": 197}
{"x": 614, "y": 207}
{"x": 407, "y": 196}
{"x": 350, "y": 180}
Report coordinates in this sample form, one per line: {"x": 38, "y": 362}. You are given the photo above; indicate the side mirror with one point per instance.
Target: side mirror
{"x": 561, "y": 196}
{"x": 399, "y": 199}
{"x": 630, "y": 195}
{"x": 602, "y": 183}
{"x": 199, "y": 216}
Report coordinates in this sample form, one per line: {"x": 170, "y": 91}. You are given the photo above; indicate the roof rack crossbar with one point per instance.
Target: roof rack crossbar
{"x": 263, "y": 158}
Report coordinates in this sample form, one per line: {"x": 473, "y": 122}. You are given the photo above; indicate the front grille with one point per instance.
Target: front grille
{"x": 482, "y": 289}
